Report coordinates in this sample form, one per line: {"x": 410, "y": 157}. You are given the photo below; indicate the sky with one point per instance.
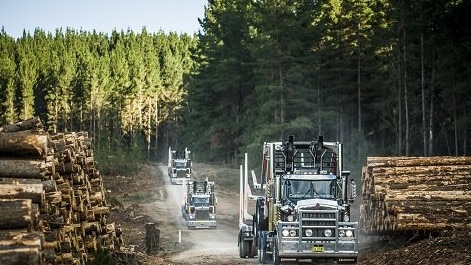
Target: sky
{"x": 180, "y": 16}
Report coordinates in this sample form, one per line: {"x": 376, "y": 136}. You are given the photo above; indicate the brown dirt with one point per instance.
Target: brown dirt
{"x": 149, "y": 197}
{"x": 451, "y": 250}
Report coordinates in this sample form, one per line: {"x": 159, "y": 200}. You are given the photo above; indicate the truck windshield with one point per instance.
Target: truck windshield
{"x": 296, "y": 190}
{"x": 180, "y": 164}
{"x": 200, "y": 201}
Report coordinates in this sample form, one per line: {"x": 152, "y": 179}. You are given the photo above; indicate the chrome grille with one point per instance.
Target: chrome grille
{"x": 202, "y": 214}
{"x": 318, "y": 221}
{"x": 181, "y": 173}
{"x": 318, "y": 215}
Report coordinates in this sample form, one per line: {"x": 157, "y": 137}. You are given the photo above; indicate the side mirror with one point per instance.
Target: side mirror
{"x": 353, "y": 191}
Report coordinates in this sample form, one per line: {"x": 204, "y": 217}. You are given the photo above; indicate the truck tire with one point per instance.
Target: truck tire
{"x": 260, "y": 256}
{"x": 241, "y": 247}
{"x": 275, "y": 256}
{"x": 247, "y": 249}
{"x": 263, "y": 257}
{"x": 252, "y": 250}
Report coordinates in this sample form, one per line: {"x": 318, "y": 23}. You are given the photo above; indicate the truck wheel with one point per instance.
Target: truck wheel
{"x": 275, "y": 256}
{"x": 241, "y": 248}
{"x": 247, "y": 249}
{"x": 260, "y": 255}
{"x": 263, "y": 256}
{"x": 252, "y": 249}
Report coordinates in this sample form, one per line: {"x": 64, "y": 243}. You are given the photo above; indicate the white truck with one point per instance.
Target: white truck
{"x": 303, "y": 210}
{"x": 199, "y": 205}
{"x": 179, "y": 167}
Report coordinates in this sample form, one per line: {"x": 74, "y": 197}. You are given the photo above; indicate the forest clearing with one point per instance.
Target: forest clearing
{"x": 58, "y": 209}
{"x": 450, "y": 248}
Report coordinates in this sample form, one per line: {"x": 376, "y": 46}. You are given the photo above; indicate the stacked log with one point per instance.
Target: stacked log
{"x": 411, "y": 194}
{"x": 52, "y": 201}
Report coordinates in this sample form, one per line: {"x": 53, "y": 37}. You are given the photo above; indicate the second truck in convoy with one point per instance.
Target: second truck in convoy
{"x": 199, "y": 206}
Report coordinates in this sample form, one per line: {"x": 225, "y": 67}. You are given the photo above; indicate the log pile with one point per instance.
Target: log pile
{"x": 402, "y": 194}
{"x": 52, "y": 201}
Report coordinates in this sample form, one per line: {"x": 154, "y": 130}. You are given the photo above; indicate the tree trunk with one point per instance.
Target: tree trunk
{"x": 34, "y": 192}
{"x": 406, "y": 94}
{"x": 152, "y": 239}
{"x": 28, "y": 143}
{"x": 20, "y": 256}
{"x": 432, "y": 109}
{"x": 26, "y": 168}
{"x": 422, "y": 88}
{"x": 15, "y": 213}
{"x": 10, "y": 239}
{"x": 33, "y": 123}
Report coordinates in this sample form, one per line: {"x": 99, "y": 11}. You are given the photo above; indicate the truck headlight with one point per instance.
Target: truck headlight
{"x": 290, "y": 218}
{"x": 308, "y": 232}
{"x": 349, "y": 233}
{"x": 292, "y": 232}
{"x": 328, "y": 233}
{"x": 285, "y": 232}
{"x": 341, "y": 233}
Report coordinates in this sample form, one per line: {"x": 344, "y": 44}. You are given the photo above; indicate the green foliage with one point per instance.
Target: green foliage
{"x": 347, "y": 70}
{"x": 7, "y": 79}
{"x": 103, "y": 257}
{"x": 117, "y": 163}
{"x": 387, "y": 77}
{"x": 120, "y": 88}
{"x": 120, "y": 158}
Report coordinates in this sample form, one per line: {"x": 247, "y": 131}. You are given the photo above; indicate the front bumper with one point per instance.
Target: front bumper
{"x": 178, "y": 181}
{"x": 316, "y": 244}
{"x": 195, "y": 224}
{"x": 332, "y": 250}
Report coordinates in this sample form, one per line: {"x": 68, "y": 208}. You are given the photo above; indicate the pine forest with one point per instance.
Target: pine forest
{"x": 384, "y": 77}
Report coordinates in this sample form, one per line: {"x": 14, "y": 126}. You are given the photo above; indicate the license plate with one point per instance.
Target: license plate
{"x": 318, "y": 249}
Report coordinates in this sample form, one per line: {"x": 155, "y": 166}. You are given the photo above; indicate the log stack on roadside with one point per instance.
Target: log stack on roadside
{"x": 52, "y": 201}
{"x": 402, "y": 194}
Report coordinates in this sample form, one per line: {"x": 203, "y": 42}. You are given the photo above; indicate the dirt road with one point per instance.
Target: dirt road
{"x": 203, "y": 246}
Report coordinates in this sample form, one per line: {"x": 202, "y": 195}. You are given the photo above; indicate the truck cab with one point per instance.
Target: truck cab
{"x": 312, "y": 222}
{"x": 179, "y": 168}
{"x": 304, "y": 209}
{"x": 199, "y": 206}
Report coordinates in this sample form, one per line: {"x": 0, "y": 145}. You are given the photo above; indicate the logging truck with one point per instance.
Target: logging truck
{"x": 199, "y": 205}
{"x": 179, "y": 167}
{"x": 303, "y": 207}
